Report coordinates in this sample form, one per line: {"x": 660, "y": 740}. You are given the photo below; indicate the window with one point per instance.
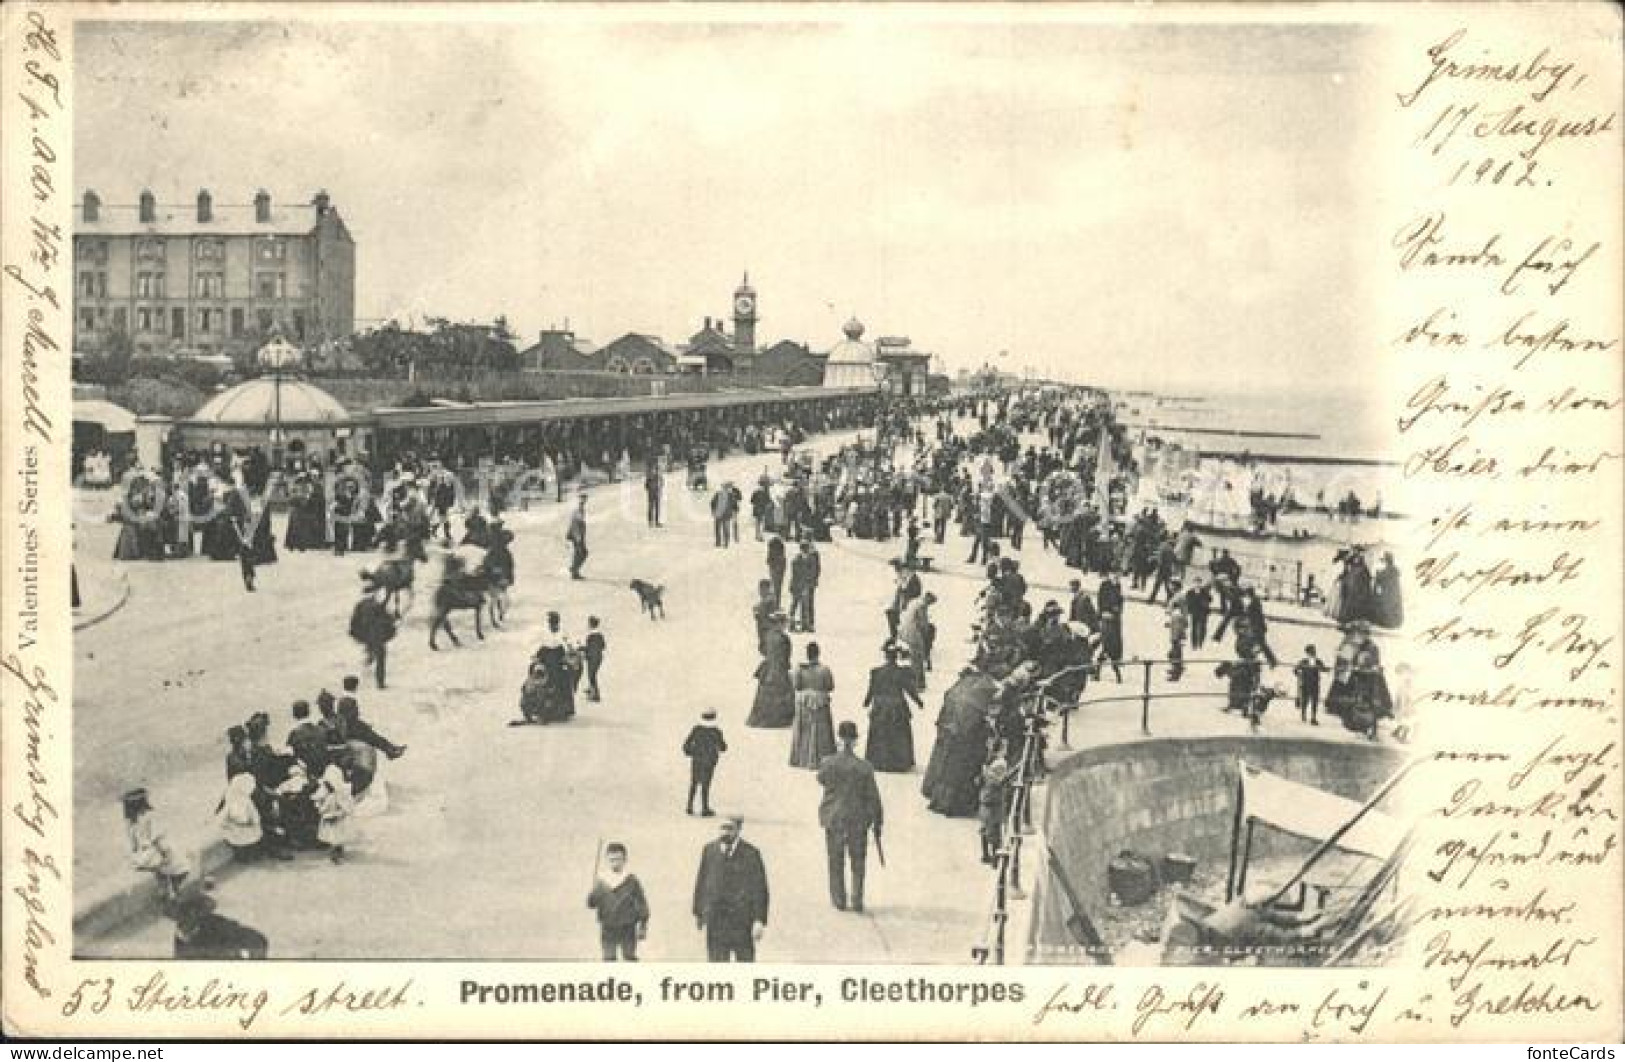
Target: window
{"x": 120, "y": 321}
{"x": 149, "y": 285}
{"x": 269, "y": 285}
{"x": 92, "y": 250}
{"x": 299, "y": 326}
{"x": 211, "y": 285}
{"x": 237, "y": 328}
{"x": 618, "y": 364}
{"x": 150, "y": 249}
{"x": 210, "y": 251}
{"x": 644, "y": 366}
{"x": 143, "y": 319}
{"x": 87, "y": 284}
{"x": 272, "y": 250}
{"x": 206, "y": 320}
{"x": 177, "y": 323}
{"x": 265, "y": 321}
{"x": 87, "y": 320}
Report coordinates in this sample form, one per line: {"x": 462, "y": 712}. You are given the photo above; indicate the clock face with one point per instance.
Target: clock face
{"x": 744, "y": 305}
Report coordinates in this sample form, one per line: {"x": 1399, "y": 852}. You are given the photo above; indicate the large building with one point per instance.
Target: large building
{"x": 713, "y": 349}
{"x": 207, "y": 278}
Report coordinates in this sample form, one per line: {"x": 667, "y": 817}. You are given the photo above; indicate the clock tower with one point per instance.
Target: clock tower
{"x": 745, "y": 317}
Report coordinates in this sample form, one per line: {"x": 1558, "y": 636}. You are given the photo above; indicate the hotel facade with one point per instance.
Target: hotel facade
{"x": 208, "y": 279}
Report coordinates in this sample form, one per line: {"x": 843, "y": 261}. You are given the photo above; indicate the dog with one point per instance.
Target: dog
{"x": 651, "y": 597}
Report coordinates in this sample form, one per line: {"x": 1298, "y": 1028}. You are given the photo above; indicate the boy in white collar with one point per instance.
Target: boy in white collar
{"x": 623, "y": 911}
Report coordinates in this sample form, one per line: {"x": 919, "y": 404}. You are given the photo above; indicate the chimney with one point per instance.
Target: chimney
{"x": 205, "y": 206}
{"x": 149, "y": 210}
{"x": 93, "y": 206}
{"x": 262, "y": 206}
{"x": 322, "y": 202}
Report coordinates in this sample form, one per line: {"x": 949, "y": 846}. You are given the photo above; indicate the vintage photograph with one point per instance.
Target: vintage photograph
{"x": 762, "y": 487}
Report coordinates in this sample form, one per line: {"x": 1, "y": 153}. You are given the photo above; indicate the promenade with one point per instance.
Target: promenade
{"x": 487, "y": 847}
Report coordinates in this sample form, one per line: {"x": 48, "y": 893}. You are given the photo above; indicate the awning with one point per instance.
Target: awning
{"x": 113, "y": 419}
{"x": 1315, "y": 814}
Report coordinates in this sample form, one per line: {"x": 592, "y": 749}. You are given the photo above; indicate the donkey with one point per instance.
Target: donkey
{"x": 462, "y": 591}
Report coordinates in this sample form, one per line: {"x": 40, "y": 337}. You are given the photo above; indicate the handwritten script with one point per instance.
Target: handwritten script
{"x": 1507, "y": 343}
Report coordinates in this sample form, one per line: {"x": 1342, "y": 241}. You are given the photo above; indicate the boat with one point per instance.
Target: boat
{"x": 1346, "y": 917}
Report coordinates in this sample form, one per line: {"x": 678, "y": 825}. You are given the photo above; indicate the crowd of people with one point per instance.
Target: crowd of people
{"x": 915, "y": 478}
{"x": 303, "y": 793}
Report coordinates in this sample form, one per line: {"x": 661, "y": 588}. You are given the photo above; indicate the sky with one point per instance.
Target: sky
{"x": 1159, "y": 206}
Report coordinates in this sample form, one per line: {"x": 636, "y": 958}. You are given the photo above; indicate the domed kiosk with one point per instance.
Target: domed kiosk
{"x": 852, "y": 362}
{"x": 278, "y": 410}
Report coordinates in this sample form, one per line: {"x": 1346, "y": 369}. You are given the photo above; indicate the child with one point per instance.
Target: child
{"x": 1308, "y": 671}
{"x": 336, "y": 803}
{"x": 594, "y": 651}
{"x": 991, "y": 805}
{"x": 623, "y": 912}
{"x": 149, "y": 848}
{"x": 703, "y": 747}
{"x": 1178, "y": 625}
{"x": 240, "y": 823}
{"x": 245, "y": 553}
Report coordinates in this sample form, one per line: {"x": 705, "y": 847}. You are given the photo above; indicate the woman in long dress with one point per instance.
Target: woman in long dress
{"x": 1358, "y": 693}
{"x": 775, "y": 704}
{"x": 307, "y": 518}
{"x": 952, "y": 779}
{"x": 814, "y": 736}
{"x": 1388, "y": 604}
{"x": 130, "y": 514}
{"x": 262, "y": 537}
{"x": 891, "y": 730}
{"x": 219, "y": 527}
{"x": 1351, "y": 594}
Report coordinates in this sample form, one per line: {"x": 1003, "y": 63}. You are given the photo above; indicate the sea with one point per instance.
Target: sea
{"x": 1204, "y": 452}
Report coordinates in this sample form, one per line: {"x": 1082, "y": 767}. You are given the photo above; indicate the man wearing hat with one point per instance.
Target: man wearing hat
{"x": 730, "y": 895}
{"x": 1082, "y": 609}
{"x": 653, "y": 486}
{"x": 849, "y": 810}
{"x": 703, "y": 747}
{"x": 903, "y": 594}
{"x": 577, "y": 536}
{"x": 372, "y": 625}
{"x": 805, "y": 570}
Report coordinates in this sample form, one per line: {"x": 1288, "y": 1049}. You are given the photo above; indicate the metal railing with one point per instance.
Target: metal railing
{"x": 1144, "y": 697}
{"x": 1018, "y": 817}
{"x": 1007, "y": 861}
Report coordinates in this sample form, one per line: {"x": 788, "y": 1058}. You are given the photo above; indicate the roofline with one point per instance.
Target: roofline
{"x": 258, "y": 425}
{"x": 578, "y": 409}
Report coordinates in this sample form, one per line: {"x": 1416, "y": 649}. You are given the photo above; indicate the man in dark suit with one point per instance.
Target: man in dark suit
{"x": 730, "y": 896}
{"x": 1198, "y": 602}
{"x": 577, "y": 536}
{"x": 850, "y": 809}
{"x": 1110, "y": 595}
{"x": 1082, "y": 609}
{"x": 805, "y": 571}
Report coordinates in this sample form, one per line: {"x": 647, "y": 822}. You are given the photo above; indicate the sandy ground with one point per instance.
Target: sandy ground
{"x": 487, "y": 848}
